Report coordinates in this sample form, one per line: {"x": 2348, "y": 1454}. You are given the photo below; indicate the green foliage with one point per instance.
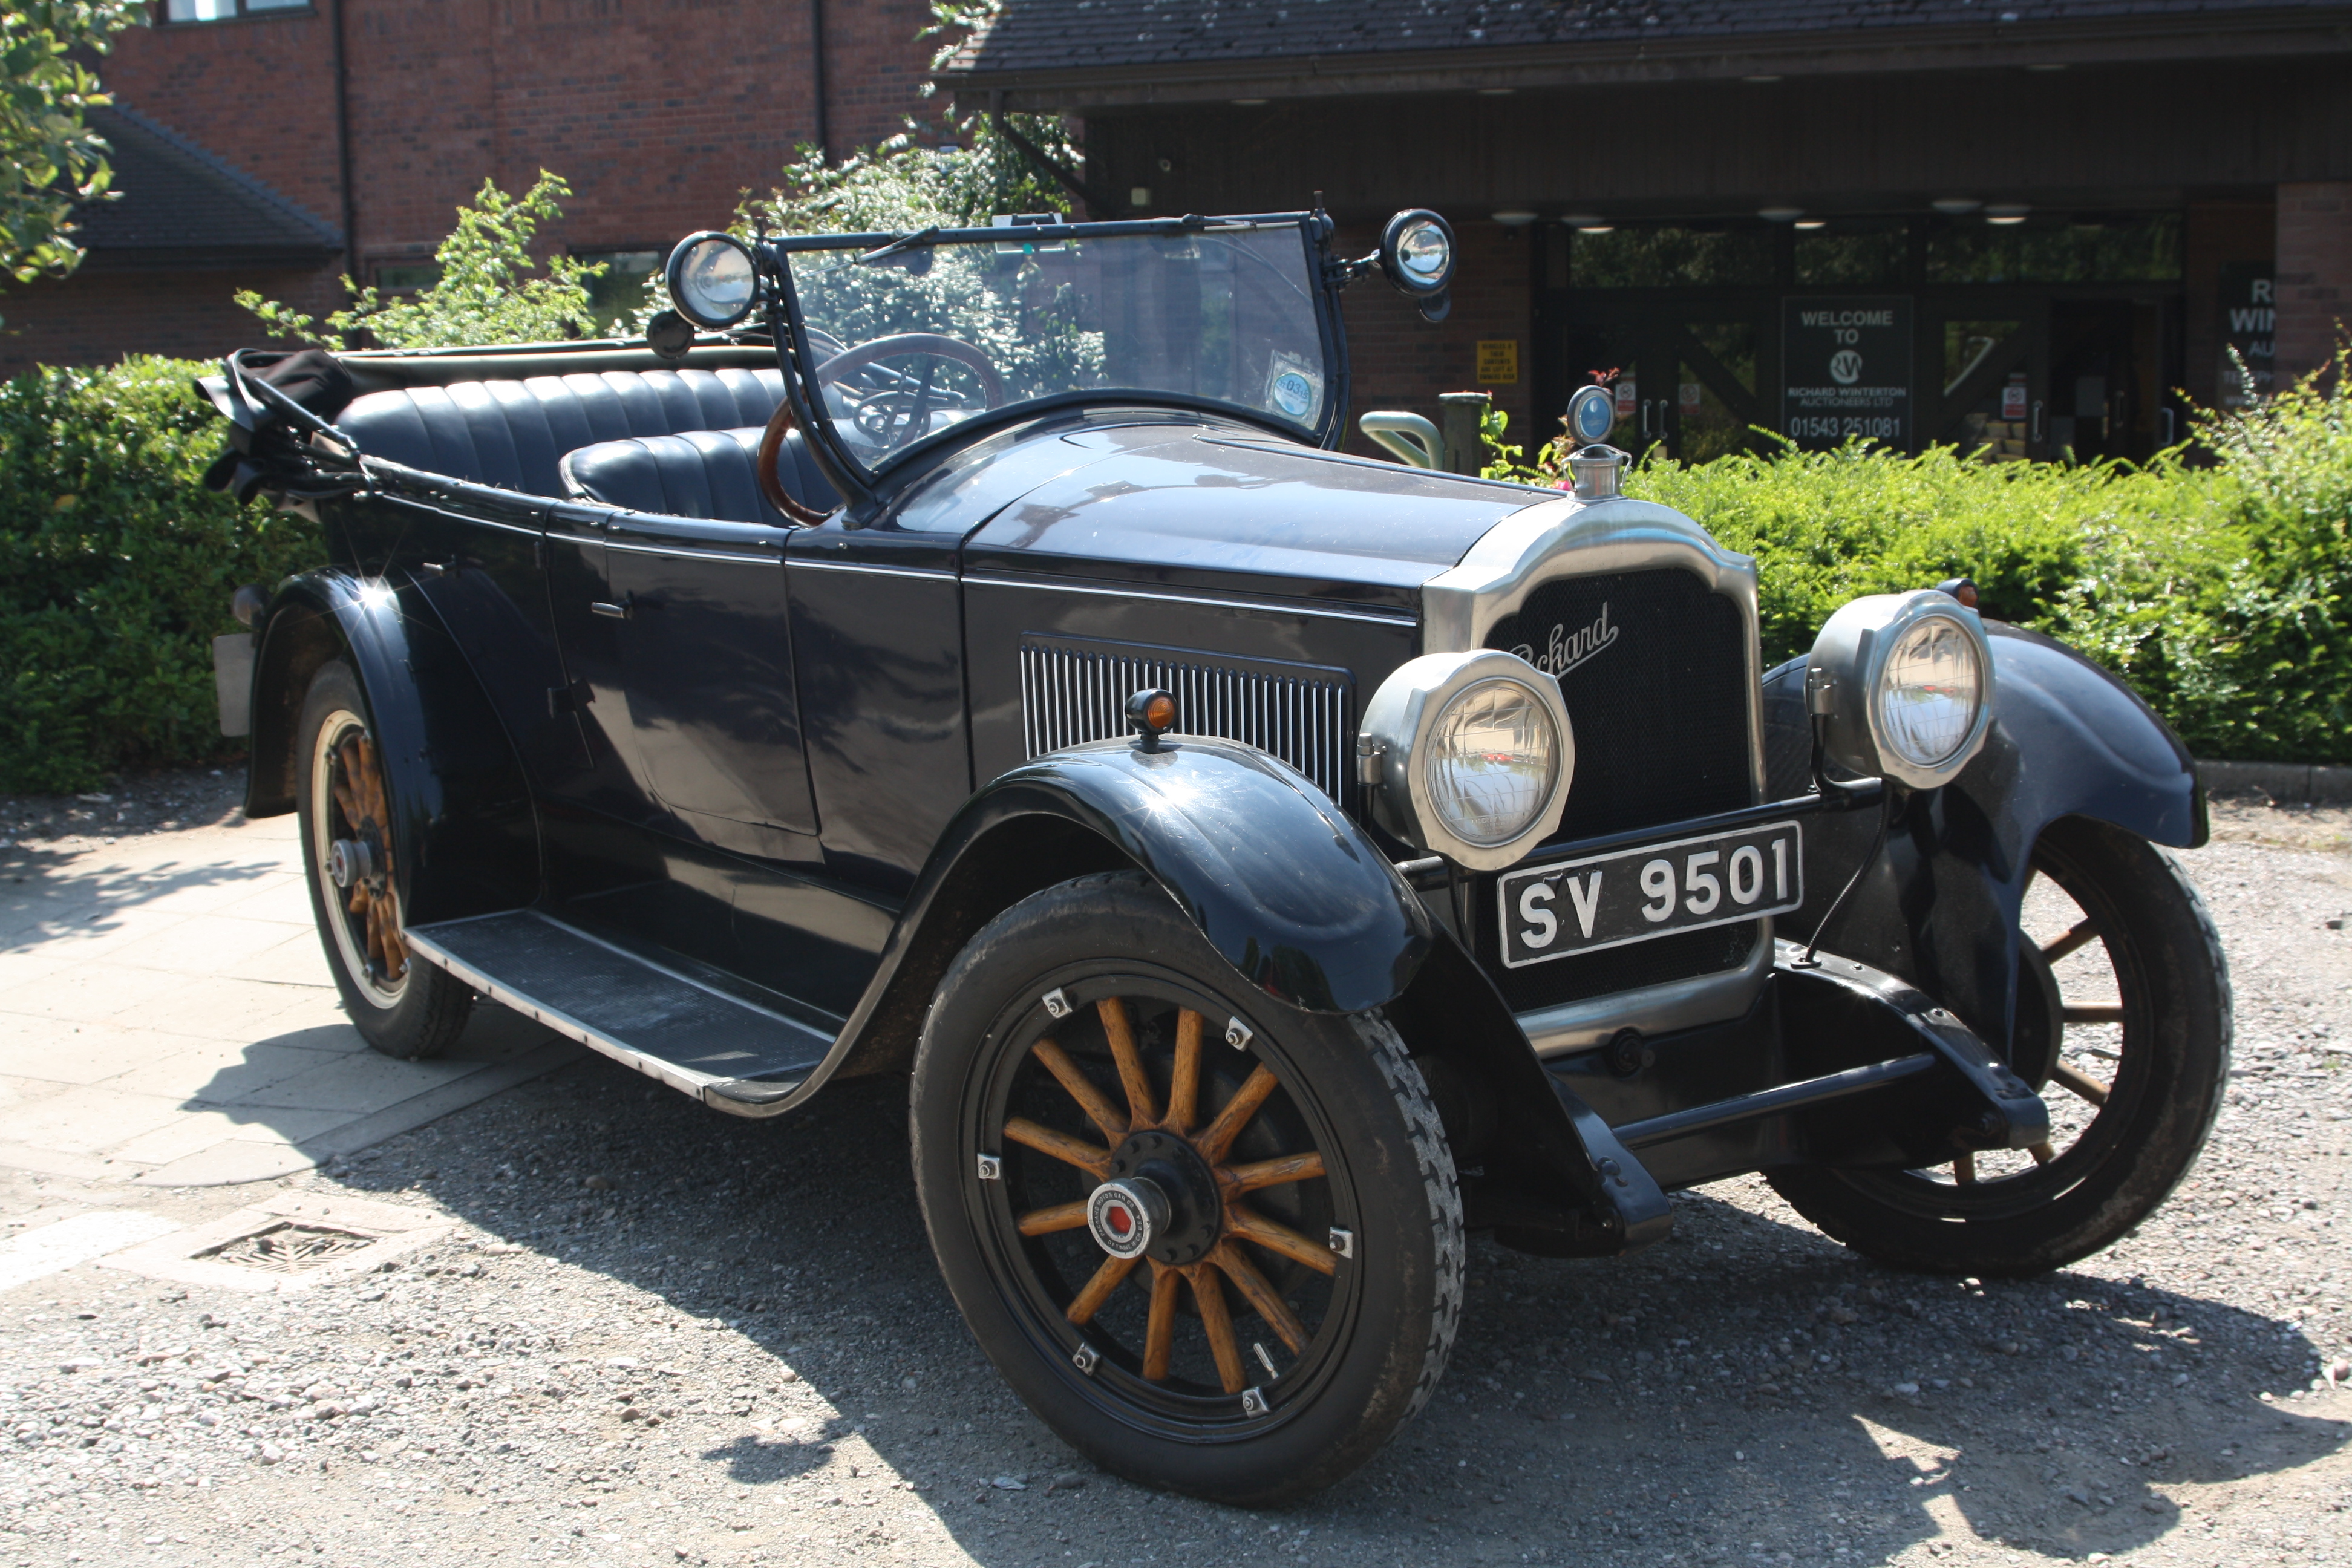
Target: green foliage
{"x": 50, "y": 160}
{"x": 116, "y": 568}
{"x": 484, "y": 294}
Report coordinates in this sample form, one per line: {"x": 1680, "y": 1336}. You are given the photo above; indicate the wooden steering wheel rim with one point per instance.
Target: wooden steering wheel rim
{"x": 771, "y": 484}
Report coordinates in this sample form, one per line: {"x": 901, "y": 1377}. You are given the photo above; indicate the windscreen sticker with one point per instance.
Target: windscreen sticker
{"x": 1293, "y": 388}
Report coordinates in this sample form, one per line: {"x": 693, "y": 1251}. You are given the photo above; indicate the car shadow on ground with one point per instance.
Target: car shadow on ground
{"x": 1678, "y": 1400}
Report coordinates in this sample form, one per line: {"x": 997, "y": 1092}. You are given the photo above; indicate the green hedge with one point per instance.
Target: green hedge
{"x": 116, "y": 568}
{"x": 2223, "y": 593}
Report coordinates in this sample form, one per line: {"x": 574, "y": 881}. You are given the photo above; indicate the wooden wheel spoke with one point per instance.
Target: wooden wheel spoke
{"x": 1070, "y": 1150}
{"x": 1219, "y": 1135}
{"x": 1121, "y": 1035}
{"x": 2043, "y": 1153}
{"x": 1057, "y": 1217}
{"x": 1071, "y": 1077}
{"x": 1160, "y": 1330}
{"x": 1108, "y": 1278}
{"x": 1209, "y": 1293}
{"x": 2089, "y": 1088}
{"x": 2079, "y": 935}
{"x": 1964, "y": 1171}
{"x": 1184, "y": 1080}
{"x": 1275, "y": 1236}
{"x": 2093, "y": 1013}
{"x": 1264, "y": 1300}
{"x": 1249, "y": 1178}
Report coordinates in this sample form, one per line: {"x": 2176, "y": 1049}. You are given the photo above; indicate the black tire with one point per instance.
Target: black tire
{"x": 1371, "y": 1335}
{"x": 402, "y": 1008}
{"x": 2127, "y": 1141}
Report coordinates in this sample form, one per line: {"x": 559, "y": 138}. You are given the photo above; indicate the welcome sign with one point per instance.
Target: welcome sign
{"x": 1845, "y": 370}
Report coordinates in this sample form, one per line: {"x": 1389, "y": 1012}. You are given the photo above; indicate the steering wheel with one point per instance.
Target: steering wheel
{"x": 896, "y": 411}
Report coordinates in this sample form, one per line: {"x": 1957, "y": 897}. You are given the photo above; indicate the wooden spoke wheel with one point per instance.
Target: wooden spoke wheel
{"x": 404, "y": 1008}
{"x": 1214, "y": 1242}
{"x": 2123, "y": 1024}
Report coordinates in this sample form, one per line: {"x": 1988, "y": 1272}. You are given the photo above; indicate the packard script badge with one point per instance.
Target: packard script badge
{"x": 1569, "y": 647}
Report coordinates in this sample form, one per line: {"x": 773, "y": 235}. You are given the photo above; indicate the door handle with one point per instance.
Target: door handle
{"x": 622, "y": 611}
{"x": 2033, "y": 426}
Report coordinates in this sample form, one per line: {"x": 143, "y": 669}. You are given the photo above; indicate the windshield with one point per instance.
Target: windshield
{"x": 905, "y": 345}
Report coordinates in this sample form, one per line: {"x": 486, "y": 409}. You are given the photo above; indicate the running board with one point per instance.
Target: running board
{"x": 726, "y": 1049}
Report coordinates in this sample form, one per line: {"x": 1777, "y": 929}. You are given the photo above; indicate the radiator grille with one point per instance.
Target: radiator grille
{"x": 1073, "y": 692}
{"x": 1656, "y": 683}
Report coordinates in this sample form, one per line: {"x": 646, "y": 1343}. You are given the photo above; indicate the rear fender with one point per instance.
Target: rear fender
{"x": 464, "y": 833}
{"x": 1940, "y": 907}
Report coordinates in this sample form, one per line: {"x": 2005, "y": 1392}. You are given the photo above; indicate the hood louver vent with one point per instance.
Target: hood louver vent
{"x": 1072, "y": 691}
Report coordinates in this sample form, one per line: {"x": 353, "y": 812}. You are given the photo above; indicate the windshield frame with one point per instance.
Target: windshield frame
{"x": 856, "y": 479}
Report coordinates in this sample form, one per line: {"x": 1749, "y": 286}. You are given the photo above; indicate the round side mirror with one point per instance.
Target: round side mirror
{"x": 1417, "y": 253}
{"x": 712, "y": 279}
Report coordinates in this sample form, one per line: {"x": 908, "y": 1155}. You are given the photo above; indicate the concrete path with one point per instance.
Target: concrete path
{"x": 166, "y": 1017}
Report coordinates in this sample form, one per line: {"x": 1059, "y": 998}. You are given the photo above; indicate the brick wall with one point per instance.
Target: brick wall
{"x": 2315, "y": 274}
{"x": 660, "y": 113}
{"x": 1398, "y": 361}
{"x": 95, "y": 318}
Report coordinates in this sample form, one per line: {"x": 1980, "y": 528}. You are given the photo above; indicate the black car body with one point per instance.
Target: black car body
{"x": 720, "y": 708}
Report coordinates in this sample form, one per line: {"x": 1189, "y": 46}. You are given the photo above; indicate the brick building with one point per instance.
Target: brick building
{"x": 2041, "y": 220}
{"x": 363, "y": 123}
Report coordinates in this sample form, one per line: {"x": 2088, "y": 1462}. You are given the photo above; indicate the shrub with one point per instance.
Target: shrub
{"x": 116, "y": 568}
{"x": 484, "y": 295}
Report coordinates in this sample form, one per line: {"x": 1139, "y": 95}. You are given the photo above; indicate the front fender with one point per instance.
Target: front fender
{"x": 464, "y": 840}
{"x": 1940, "y": 906}
{"x": 1280, "y": 881}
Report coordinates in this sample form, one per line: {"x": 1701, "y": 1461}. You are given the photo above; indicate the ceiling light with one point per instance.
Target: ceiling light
{"x": 1596, "y": 228}
{"x": 1812, "y": 223}
{"x": 1759, "y": 78}
{"x": 1583, "y": 220}
{"x": 1955, "y": 206}
{"x": 1249, "y": 103}
{"x": 2046, "y": 66}
{"x": 1515, "y": 217}
{"x": 1780, "y": 214}
{"x": 2006, "y": 213}
{"x": 1496, "y": 91}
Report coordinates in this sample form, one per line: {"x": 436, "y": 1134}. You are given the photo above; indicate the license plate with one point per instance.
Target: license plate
{"x": 1632, "y": 895}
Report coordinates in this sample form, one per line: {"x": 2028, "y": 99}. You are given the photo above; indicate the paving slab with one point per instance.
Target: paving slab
{"x": 167, "y": 1018}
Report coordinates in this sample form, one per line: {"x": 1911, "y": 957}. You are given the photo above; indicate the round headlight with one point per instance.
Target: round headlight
{"x": 1492, "y": 762}
{"x": 1929, "y": 690}
{"x": 1903, "y": 685}
{"x": 712, "y": 279}
{"x": 1417, "y": 252}
{"x": 1468, "y": 755}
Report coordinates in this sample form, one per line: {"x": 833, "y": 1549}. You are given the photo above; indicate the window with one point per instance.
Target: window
{"x": 226, "y": 10}
{"x": 620, "y": 293}
{"x": 405, "y": 278}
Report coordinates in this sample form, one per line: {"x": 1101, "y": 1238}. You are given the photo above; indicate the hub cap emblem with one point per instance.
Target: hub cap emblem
{"x": 1125, "y": 1214}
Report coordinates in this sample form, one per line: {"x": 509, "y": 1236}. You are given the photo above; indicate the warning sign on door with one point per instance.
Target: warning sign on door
{"x": 1846, "y": 369}
{"x": 1499, "y": 362}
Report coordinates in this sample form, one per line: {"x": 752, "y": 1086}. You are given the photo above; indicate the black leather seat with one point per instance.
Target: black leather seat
{"x": 710, "y": 474}
{"x": 512, "y": 433}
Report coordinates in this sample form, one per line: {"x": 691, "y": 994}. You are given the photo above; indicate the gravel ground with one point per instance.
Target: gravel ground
{"x": 661, "y": 1335}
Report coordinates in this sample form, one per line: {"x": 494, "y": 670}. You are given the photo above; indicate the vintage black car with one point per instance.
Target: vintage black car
{"x": 966, "y": 656}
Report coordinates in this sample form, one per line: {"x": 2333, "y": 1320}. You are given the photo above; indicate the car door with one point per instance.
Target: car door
{"x": 678, "y": 639}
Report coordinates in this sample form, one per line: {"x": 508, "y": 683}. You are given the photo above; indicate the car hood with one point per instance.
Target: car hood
{"x": 1224, "y": 506}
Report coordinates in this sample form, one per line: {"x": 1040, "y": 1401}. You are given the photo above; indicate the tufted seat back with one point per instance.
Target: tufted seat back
{"x": 710, "y": 474}
{"x": 512, "y": 433}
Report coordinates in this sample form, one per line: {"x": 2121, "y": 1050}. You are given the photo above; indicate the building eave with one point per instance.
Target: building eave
{"x": 2111, "y": 41}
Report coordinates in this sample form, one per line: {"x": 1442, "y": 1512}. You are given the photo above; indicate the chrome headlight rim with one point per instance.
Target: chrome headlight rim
{"x": 675, "y": 280}
{"x": 1399, "y": 726}
{"x": 1850, "y": 656}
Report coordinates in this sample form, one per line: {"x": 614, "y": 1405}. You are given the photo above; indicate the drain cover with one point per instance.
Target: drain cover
{"x": 289, "y": 1248}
